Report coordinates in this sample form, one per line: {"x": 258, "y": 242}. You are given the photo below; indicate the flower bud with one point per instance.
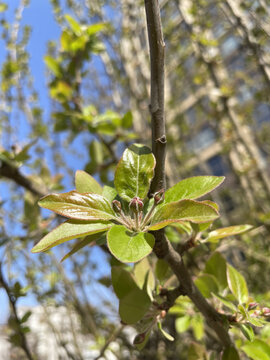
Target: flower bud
{"x": 252, "y": 306}
{"x": 139, "y": 338}
{"x": 159, "y": 196}
{"x": 266, "y": 312}
{"x": 116, "y": 206}
{"x": 136, "y": 204}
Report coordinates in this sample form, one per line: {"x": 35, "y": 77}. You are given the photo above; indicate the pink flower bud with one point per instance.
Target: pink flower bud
{"x": 116, "y": 206}
{"x": 252, "y": 306}
{"x": 266, "y": 311}
{"x": 136, "y": 204}
{"x": 159, "y": 196}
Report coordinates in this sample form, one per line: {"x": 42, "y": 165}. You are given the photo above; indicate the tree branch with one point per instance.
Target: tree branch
{"x": 13, "y": 173}
{"x": 157, "y": 51}
{"x": 163, "y": 248}
{"x": 12, "y": 301}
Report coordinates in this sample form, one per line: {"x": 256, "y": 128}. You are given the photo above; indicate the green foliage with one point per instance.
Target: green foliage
{"x": 237, "y": 284}
{"x": 134, "y": 172}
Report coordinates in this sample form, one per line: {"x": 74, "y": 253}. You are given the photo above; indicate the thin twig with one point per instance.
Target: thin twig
{"x": 12, "y": 301}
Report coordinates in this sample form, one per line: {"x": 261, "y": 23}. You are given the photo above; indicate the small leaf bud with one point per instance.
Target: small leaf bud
{"x": 116, "y": 206}
{"x": 139, "y": 338}
{"x": 163, "y": 314}
{"x": 159, "y": 196}
{"x": 136, "y": 204}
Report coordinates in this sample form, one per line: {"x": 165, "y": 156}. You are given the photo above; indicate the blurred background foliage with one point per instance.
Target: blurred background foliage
{"x": 218, "y": 117}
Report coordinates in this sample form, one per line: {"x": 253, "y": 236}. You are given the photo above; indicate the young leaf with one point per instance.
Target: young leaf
{"x": 71, "y": 229}
{"x": 207, "y": 285}
{"x": 129, "y": 247}
{"x": 247, "y": 331}
{"x": 164, "y": 333}
{"x": 133, "y": 306}
{"x": 144, "y": 275}
{"x": 85, "y": 183}
{"x": 257, "y": 350}
{"x": 82, "y": 243}
{"x": 230, "y": 354}
{"x": 183, "y": 210}
{"x": 122, "y": 281}
{"x": 134, "y": 172}
{"x": 109, "y": 193}
{"x": 216, "y": 266}
{"x": 215, "y": 235}
{"x": 237, "y": 284}
{"x": 161, "y": 269}
{"x": 182, "y": 323}
{"x": 226, "y": 302}
{"x": 78, "y": 206}
{"x": 193, "y": 188}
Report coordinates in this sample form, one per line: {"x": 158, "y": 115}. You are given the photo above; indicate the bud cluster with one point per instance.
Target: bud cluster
{"x": 136, "y": 220}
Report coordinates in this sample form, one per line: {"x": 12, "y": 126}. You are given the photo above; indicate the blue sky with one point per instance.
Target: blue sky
{"x": 39, "y": 16}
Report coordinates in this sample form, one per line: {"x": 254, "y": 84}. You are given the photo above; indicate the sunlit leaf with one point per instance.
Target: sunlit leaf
{"x": 71, "y": 229}
{"x": 184, "y": 210}
{"x": 85, "y": 183}
{"x": 257, "y": 350}
{"x": 127, "y": 246}
{"x": 134, "y": 172}
{"x": 79, "y": 206}
{"x": 193, "y": 188}
{"x": 247, "y": 331}
{"x": 215, "y": 235}
{"x": 164, "y": 333}
{"x": 237, "y": 284}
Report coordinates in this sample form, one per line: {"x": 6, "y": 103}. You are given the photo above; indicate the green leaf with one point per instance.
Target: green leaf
{"x": 226, "y": 302}
{"x": 133, "y": 306}
{"x": 53, "y": 65}
{"x": 247, "y": 331}
{"x": 182, "y": 323}
{"x": 134, "y": 172}
{"x": 215, "y": 235}
{"x": 127, "y": 120}
{"x": 197, "y": 327}
{"x": 161, "y": 269}
{"x": 3, "y": 7}
{"x": 85, "y": 183}
{"x": 144, "y": 275}
{"x": 230, "y": 354}
{"x": 164, "y": 333}
{"x": 79, "y": 206}
{"x": 257, "y": 350}
{"x": 216, "y": 266}
{"x": 71, "y": 229}
{"x": 237, "y": 284}
{"x": 82, "y": 243}
{"x": 122, "y": 281}
{"x": 109, "y": 193}
{"x": 129, "y": 247}
{"x": 193, "y": 188}
{"x": 184, "y": 210}
{"x": 74, "y": 25}
{"x": 95, "y": 28}
{"x": 207, "y": 285}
